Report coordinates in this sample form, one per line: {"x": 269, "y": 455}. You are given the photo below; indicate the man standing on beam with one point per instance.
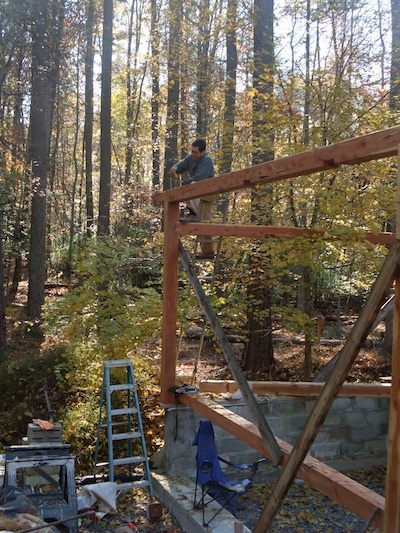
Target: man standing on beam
{"x": 200, "y": 167}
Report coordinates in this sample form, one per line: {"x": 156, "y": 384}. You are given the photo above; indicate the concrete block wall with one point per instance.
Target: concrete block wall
{"x": 354, "y": 427}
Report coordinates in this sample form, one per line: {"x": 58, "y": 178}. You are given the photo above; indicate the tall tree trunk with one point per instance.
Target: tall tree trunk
{"x": 155, "y": 91}
{"x": 40, "y": 126}
{"x": 259, "y": 351}
{"x": 172, "y": 128}
{"x": 19, "y": 233}
{"x": 129, "y": 100}
{"x": 394, "y": 104}
{"x": 77, "y": 174}
{"x": 305, "y": 277}
{"x": 202, "y": 89}
{"x": 103, "y": 223}
{"x": 395, "y": 65}
{"x": 184, "y": 140}
{"x": 56, "y": 22}
{"x": 230, "y": 88}
{"x": 3, "y": 334}
{"x": 88, "y": 126}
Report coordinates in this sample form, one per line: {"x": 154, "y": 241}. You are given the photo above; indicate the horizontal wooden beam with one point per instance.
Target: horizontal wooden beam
{"x": 302, "y": 389}
{"x": 327, "y": 480}
{"x": 259, "y": 232}
{"x": 368, "y": 147}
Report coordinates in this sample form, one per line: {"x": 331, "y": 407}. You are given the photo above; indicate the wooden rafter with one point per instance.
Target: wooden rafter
{"x": 322, "y": 477}
{"x": 259, "y": 232}
{"x": 302, "y": 390}
{"x": 375, "y": 145}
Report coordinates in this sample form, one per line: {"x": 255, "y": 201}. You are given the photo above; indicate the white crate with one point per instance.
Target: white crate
{"x": 36, "y": 435}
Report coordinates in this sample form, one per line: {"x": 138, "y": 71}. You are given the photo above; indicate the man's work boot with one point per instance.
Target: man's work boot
{"x": 207, "y": 251}
{"x": 190, "y": 217}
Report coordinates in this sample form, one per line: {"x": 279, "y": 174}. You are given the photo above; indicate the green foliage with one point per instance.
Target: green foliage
{"x": 296, "y": 321}
{"x": 104, "y": 316}
{"x": 21, "y": 382}
{"x": 101, "y": 309}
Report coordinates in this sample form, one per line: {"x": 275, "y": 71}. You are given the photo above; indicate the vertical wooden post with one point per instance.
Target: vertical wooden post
{"x": 320, "y": 327}
{"x": 170, "y": 302}
{"x": 392, "y": 500}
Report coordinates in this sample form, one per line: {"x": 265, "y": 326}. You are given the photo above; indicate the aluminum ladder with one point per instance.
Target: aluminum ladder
{"x": 124, "y": 428}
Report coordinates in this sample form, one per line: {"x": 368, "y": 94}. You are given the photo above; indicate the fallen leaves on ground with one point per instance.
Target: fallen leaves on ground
{"x": 131, "y": 509}
{"x": 306, "y": 510}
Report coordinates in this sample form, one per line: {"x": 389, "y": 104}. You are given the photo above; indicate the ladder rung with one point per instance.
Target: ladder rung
{"x": 129, "y": 460}
{"x": 131, "y": 484}
{"x": 124, "y": 461}
{"x": 130, "y": 435}
{"x": 115, "y": 424}
{"x": 122, "y": 386}
{"x": 124, "y": 411}
{"x": 117, "y": 363}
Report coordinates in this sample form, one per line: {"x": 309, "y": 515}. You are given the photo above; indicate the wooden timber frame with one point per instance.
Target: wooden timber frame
{"x": 383, "y": 513}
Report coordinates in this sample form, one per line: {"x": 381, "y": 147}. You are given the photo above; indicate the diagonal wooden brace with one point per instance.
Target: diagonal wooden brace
{"x": 234, "y": 367}
{"x": 369, "y": 312}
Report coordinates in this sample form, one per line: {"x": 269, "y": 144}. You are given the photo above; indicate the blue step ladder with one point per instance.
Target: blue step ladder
{"x": 123, "y": 424}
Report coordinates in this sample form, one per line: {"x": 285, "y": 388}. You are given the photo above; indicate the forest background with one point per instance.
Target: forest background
{"x": 98, "y": 99}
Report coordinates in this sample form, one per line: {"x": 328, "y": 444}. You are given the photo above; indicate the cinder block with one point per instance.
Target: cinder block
{"x": 376, "y": 446}
{"x": 342, "y": 404}
{"x": 364, "y": 433}
{"x": 326, "y": 450}
{"x": 380, "y": 416}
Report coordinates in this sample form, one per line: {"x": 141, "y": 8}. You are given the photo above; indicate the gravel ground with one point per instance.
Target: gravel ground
{"x": 304, "y": 510}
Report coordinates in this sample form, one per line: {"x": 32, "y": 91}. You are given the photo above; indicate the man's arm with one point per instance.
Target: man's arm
{"x": 181, "y": 167}
{"x": 203, "y": 170}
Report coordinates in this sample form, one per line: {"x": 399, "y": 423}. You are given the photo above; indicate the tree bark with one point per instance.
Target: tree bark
{"x": 3, "y": 331}
{"x": 88, "y": 126}
{"x": 40, "y": 126}
{"x": 203, "y": 45}
{"x": 22, "y": 208}
{"x": 258, "y": 352}
{"x": 103, "y": 223}
{"x": 394, "y": 104}
{"x": 230, "y": 88}
{"x": 171, "y": 142}
{"x": 395, "y": 65}
{"x": 155, "y": 91}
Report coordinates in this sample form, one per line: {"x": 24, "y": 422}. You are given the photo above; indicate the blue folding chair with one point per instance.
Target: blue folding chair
{"x": 209, "y": 476}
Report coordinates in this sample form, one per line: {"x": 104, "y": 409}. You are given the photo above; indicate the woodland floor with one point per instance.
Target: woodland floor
{"x": 370, "y": 366}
